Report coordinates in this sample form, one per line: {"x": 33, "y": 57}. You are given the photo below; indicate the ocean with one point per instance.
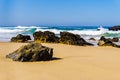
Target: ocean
{"x": 6, "y": 32}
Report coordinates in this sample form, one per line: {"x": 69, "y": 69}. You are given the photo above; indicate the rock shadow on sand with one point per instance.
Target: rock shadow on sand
{"x": 56, "y": 58}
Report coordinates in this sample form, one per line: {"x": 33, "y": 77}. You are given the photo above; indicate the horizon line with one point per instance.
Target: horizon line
{"x": 53, "y": 25}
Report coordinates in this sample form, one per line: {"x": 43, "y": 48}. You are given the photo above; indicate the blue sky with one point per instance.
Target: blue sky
{"x": 59, "y": 12}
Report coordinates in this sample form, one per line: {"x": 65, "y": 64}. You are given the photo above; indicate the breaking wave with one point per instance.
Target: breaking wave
{"x": 8, "y": 32}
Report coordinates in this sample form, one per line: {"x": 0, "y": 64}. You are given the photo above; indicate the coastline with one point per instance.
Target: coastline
{"x": 75, "y": 62}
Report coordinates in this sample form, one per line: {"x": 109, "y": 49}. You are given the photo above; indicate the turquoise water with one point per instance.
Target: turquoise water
{"x": 6, "y": 32}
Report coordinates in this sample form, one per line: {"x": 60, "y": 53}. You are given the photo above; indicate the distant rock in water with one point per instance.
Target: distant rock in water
{"x": 45, "y": 37}
{"x": 72, "y": 39}
{"x": 93, "y": 39}
{"x": 115, "y": 28}
{"x": 115, "y": 39}
{"x": 21, "y": 38}
{"x": 31, "y": 52}
{"x": 106, "y": 42}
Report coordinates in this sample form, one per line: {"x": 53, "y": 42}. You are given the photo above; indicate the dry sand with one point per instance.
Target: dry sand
{"x": 76, "y": 63}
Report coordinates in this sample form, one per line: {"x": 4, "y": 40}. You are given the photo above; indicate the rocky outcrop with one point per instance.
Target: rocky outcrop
{"x": 21, "y": 38}
{"x": 106, "y": 42}
{"x": 65, "y": 38}
{"x": 115, "y": 28}
{"x": 72, "y": 39}
{"x": 31, "y": 52}
{"x": 45, "y": 37}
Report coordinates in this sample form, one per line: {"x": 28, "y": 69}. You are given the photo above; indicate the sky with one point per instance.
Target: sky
{"x": 59, "y": 12}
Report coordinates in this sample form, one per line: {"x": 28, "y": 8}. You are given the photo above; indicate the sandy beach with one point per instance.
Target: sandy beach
{"x": 73, "y": 63}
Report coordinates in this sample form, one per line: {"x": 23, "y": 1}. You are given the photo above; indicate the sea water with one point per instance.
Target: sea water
{"x": 6, "y": 32}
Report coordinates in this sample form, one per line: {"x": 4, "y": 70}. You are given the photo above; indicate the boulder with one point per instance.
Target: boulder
{"x": 115, "y": 28}
{"x": 21, "y": 38}
{"x": 106, "y": 42}
{"x": 72, "y": 39}
{"x": 31, "y": 52}
{"x": 93, "y": 39}
{"x": 45, "y": 37}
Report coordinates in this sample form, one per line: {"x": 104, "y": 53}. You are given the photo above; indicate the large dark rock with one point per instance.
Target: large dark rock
{"x": 115, "y": 28}
{"x": 21, "y": 38}
{"x": 72, "y": 39}
{"x": 106, "y": 42}
{"x": 32, "y": 52}
{"x": 45, "y": 37}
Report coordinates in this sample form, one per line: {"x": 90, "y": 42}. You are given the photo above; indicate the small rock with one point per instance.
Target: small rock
{"x": 21, "y": 38}
{"x": 93, "y": 39}
{"x": 106, "y": 42}
{"x": 115, "y": 39}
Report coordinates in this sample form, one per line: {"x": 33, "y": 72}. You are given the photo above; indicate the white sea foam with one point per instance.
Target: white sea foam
{"x": 8, "y": 32}
{"x": 52, "y": 30}
{"x": 26, "y": 27}
{"x": 81, "y": 32}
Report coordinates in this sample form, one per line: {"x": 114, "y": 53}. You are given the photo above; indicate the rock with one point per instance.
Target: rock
{"x": 31, "y": 52}
{"x": 37, "y": 35}
{"x": 101, "y": 43}
{"x": 115, "y": 39}
{"x": 45, "y": 37}
{"x": 21, "y": 38}
{"x": 92, "y": 39}
{"x": 106, "y": 42}
{"x": 115, "y": 28}
{"x": 110, "y": 39}
{"x": 72, "y": 39}
{"x": 65, "y": 38}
